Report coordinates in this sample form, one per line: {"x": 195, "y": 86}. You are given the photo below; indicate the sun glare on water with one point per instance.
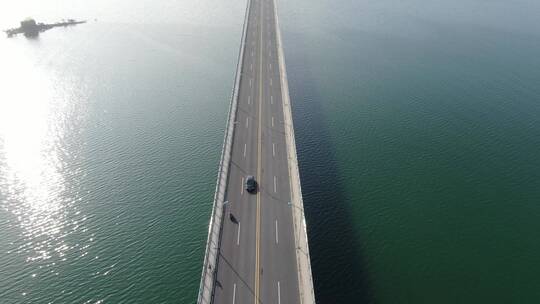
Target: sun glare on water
{"x": 32, "y": 172}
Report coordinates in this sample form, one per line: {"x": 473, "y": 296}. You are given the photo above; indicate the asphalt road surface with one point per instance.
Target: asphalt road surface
{"x": 257, "y": 260}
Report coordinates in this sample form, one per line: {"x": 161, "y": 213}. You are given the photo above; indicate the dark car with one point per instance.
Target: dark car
{"x": 251, "y": 184}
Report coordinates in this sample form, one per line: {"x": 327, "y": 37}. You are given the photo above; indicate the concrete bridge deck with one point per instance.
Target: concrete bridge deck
{"x": 260, "y": 253}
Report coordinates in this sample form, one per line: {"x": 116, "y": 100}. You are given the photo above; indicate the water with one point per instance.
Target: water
{"x": 110, "y": 135}
{"x": 419, "y": 135}
{"x": 417, "y": 130}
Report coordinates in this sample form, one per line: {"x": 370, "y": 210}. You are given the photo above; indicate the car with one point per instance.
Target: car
{"x": 251, "y": 184}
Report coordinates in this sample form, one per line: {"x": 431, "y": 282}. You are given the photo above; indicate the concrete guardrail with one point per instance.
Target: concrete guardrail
{"x": 305, "y": 279}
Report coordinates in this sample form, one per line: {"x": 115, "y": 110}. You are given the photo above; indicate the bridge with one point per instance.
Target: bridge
{"x": 257, "y": 249}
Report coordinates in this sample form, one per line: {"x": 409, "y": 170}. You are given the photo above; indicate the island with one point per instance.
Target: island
{"x": 30, "y": 28}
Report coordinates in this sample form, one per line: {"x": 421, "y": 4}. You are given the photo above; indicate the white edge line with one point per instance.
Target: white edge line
{"x": 277, "y": 235}
{"x": 234, "y": 292}
{"x": 278, "y": 293}
{"x": 238, "y": 235}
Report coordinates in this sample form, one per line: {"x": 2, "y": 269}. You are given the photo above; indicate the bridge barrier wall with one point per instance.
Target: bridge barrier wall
{"x": 211, "y": 256}
{"x": 305, "y": 279}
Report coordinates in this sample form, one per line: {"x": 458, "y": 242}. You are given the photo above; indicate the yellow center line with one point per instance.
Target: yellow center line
{"x": 259, "y": 150}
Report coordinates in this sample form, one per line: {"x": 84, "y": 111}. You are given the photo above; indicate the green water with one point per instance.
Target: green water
{"x": 110, "y": 136}
{"x": 418, "y": 133}
{"x": 419, "y": 137}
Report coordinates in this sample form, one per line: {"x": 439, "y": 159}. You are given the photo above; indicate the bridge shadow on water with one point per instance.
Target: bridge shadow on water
{"x": 338, "y": 266}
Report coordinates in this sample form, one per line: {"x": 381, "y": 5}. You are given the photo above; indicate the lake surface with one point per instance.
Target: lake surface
{"x": 110, "y": 136}
{"x": 418, "y": 130}
{"x": 418, "y": 133}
